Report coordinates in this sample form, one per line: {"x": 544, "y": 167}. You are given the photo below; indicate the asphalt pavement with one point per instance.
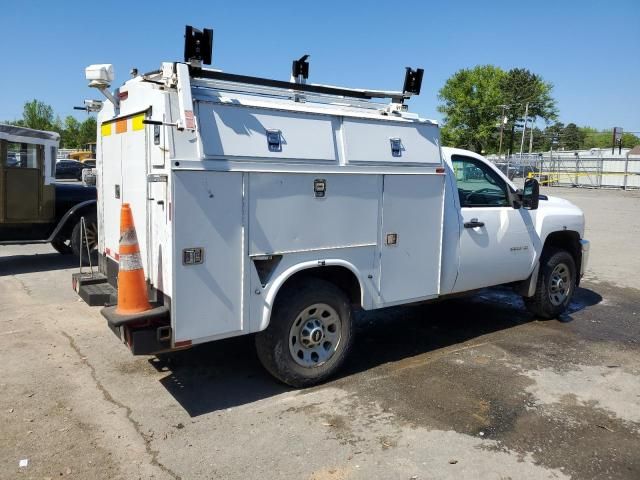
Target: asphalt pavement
{"x": 468, "y": 388}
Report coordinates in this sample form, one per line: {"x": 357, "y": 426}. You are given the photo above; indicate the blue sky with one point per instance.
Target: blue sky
{"x": 589, "y": 50}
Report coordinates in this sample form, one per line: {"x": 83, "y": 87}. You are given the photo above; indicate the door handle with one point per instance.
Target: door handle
{"x": 473, "y": 223}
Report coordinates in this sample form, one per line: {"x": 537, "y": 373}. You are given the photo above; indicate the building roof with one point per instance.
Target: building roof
{"x": 635, "y": 151}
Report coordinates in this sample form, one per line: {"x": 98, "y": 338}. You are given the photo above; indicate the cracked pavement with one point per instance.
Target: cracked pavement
{"x": 469, "y": 388}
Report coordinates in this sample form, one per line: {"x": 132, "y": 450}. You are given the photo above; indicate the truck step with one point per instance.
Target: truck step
{"x": 94, "y": 289}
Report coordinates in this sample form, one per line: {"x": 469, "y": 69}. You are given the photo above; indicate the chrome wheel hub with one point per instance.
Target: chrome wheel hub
{"x": 559, "y": 284}
{"x": 315, "y": 335}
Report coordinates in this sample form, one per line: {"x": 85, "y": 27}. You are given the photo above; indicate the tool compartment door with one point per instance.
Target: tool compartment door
{"x": 208, "y": 215}
{"x": 411, "y": 244}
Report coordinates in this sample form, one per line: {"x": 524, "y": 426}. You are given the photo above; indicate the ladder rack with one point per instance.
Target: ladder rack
{"x": 396, "y": 97}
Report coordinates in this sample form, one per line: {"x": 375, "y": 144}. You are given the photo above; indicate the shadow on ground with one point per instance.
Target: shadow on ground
{"x": 43, "y": 262}
{"x": 227, "y": 373}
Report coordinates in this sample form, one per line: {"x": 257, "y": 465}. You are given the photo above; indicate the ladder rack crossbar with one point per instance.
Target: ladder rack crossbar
{"x": 397, "y": 97}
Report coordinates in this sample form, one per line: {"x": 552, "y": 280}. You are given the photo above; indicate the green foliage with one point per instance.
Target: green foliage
{"x": 69, "y": 133}
{"x": 572, "y": 137}
{"x": 519, "y": 87}
{"x": 73, "y": 133}
{"x": 473, "y": 101}
{"x": 604, "y": 138}
{"x": 88, "y": 129}
{"x": 37, "y": 115}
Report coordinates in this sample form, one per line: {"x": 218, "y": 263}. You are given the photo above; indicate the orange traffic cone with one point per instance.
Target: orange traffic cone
{"x": 132, "y": 288}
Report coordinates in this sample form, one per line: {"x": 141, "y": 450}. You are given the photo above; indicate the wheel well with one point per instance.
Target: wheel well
{"x": 341, "y": 277}
{"x": 566, "y": 240}
{"x": 70, "y": 221}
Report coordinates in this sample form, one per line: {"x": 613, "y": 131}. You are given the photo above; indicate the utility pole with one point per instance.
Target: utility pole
{"x": 524, "y": 129}
{"x": 502, "y": 121}
{"x": 531, "y": 138}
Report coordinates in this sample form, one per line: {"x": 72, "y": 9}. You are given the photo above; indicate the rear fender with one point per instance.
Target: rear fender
{"x": 281, "y": 279}
{"x": 69, "y": 218}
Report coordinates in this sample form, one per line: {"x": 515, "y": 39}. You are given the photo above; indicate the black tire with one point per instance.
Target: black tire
{"x": 62, "y": 246}
{"x": 541, "y": 304}
{"x": 273, "y": 344}
{"x": 91, "y": 224}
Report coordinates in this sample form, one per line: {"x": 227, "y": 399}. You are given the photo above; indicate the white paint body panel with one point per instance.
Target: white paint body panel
{"x": 208, "y": 298}
{"x": 230, "y": 131}
{"x": 500, "y": 252}
{"x": 369, "y": 142}
{"x": 412, "y": 210}
{"x": 286, "y": 216}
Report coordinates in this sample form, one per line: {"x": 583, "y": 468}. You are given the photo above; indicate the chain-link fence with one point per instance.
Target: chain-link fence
{"x": 574, "y": 170}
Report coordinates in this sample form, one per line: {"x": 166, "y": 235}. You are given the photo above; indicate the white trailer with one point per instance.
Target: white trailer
{"x": 276, "y": 208}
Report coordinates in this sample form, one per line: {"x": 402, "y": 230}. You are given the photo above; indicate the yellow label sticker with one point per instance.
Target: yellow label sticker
{"x": 136, "y": 122}
{"x": 105, "y": 129}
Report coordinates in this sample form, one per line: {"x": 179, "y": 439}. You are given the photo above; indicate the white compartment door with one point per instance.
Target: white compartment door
{"x": 411, "y": 237}
{"x": 207, "y": 214}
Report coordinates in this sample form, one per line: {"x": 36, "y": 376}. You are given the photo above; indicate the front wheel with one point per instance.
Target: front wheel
{"x": 556, "y": 284}
{"x": 309, "y": 335}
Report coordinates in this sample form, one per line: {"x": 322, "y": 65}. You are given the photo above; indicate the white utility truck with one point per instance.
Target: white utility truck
{"x": 276, "y": 208}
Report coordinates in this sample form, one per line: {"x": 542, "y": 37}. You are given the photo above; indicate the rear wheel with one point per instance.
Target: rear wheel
{"x": 309, "y": 336}
{"x": 556, "y": 284}
{"x": 90, "y": 239}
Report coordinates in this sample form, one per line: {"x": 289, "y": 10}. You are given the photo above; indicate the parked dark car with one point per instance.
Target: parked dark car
{"x": 70, "y": 169}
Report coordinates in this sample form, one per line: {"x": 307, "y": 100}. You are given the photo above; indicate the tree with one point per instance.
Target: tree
{"x": 572, "y": 137}
{"x": 474, "y": 99}
{"x": 471, "y": 107}
{"x": 593, "y": 138}
{"x": 88, "y": 130}
{"x": 553, "y": 136}
{"x": 70, "y": 133}
{"x": 539, "y": 140}
{"x": 630, "y": 140}
{"x": 73, "y": 133}
{"x": 520, "y": 87}
{"x": 37, "y": 115}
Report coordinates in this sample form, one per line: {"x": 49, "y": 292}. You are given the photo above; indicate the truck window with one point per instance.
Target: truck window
{"x": 478, "y": 184}
{"x": 22, "y": 155}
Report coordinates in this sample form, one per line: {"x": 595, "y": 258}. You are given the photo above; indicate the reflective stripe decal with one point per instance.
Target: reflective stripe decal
{"x": 105, "y": 129}
{"x": 136, "y": 122}
{"x": 130, "y": 262}
{"x": 121, "y": 125}
{"x": 189, "y": 119}
{"x": 129, "y": 237}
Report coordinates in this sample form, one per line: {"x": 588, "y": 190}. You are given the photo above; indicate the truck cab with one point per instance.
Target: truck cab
{"x": 498, "y": 239}
{"x": 34, "y": 208}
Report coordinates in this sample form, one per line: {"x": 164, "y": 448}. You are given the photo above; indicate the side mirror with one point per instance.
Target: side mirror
{"x": 530, "y": 194}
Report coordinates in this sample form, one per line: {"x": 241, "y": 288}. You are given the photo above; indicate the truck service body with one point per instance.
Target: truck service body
{"x": 252, "y": 200}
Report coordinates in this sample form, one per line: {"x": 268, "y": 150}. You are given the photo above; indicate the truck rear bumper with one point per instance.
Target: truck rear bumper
{"x": 145, "y": 333}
